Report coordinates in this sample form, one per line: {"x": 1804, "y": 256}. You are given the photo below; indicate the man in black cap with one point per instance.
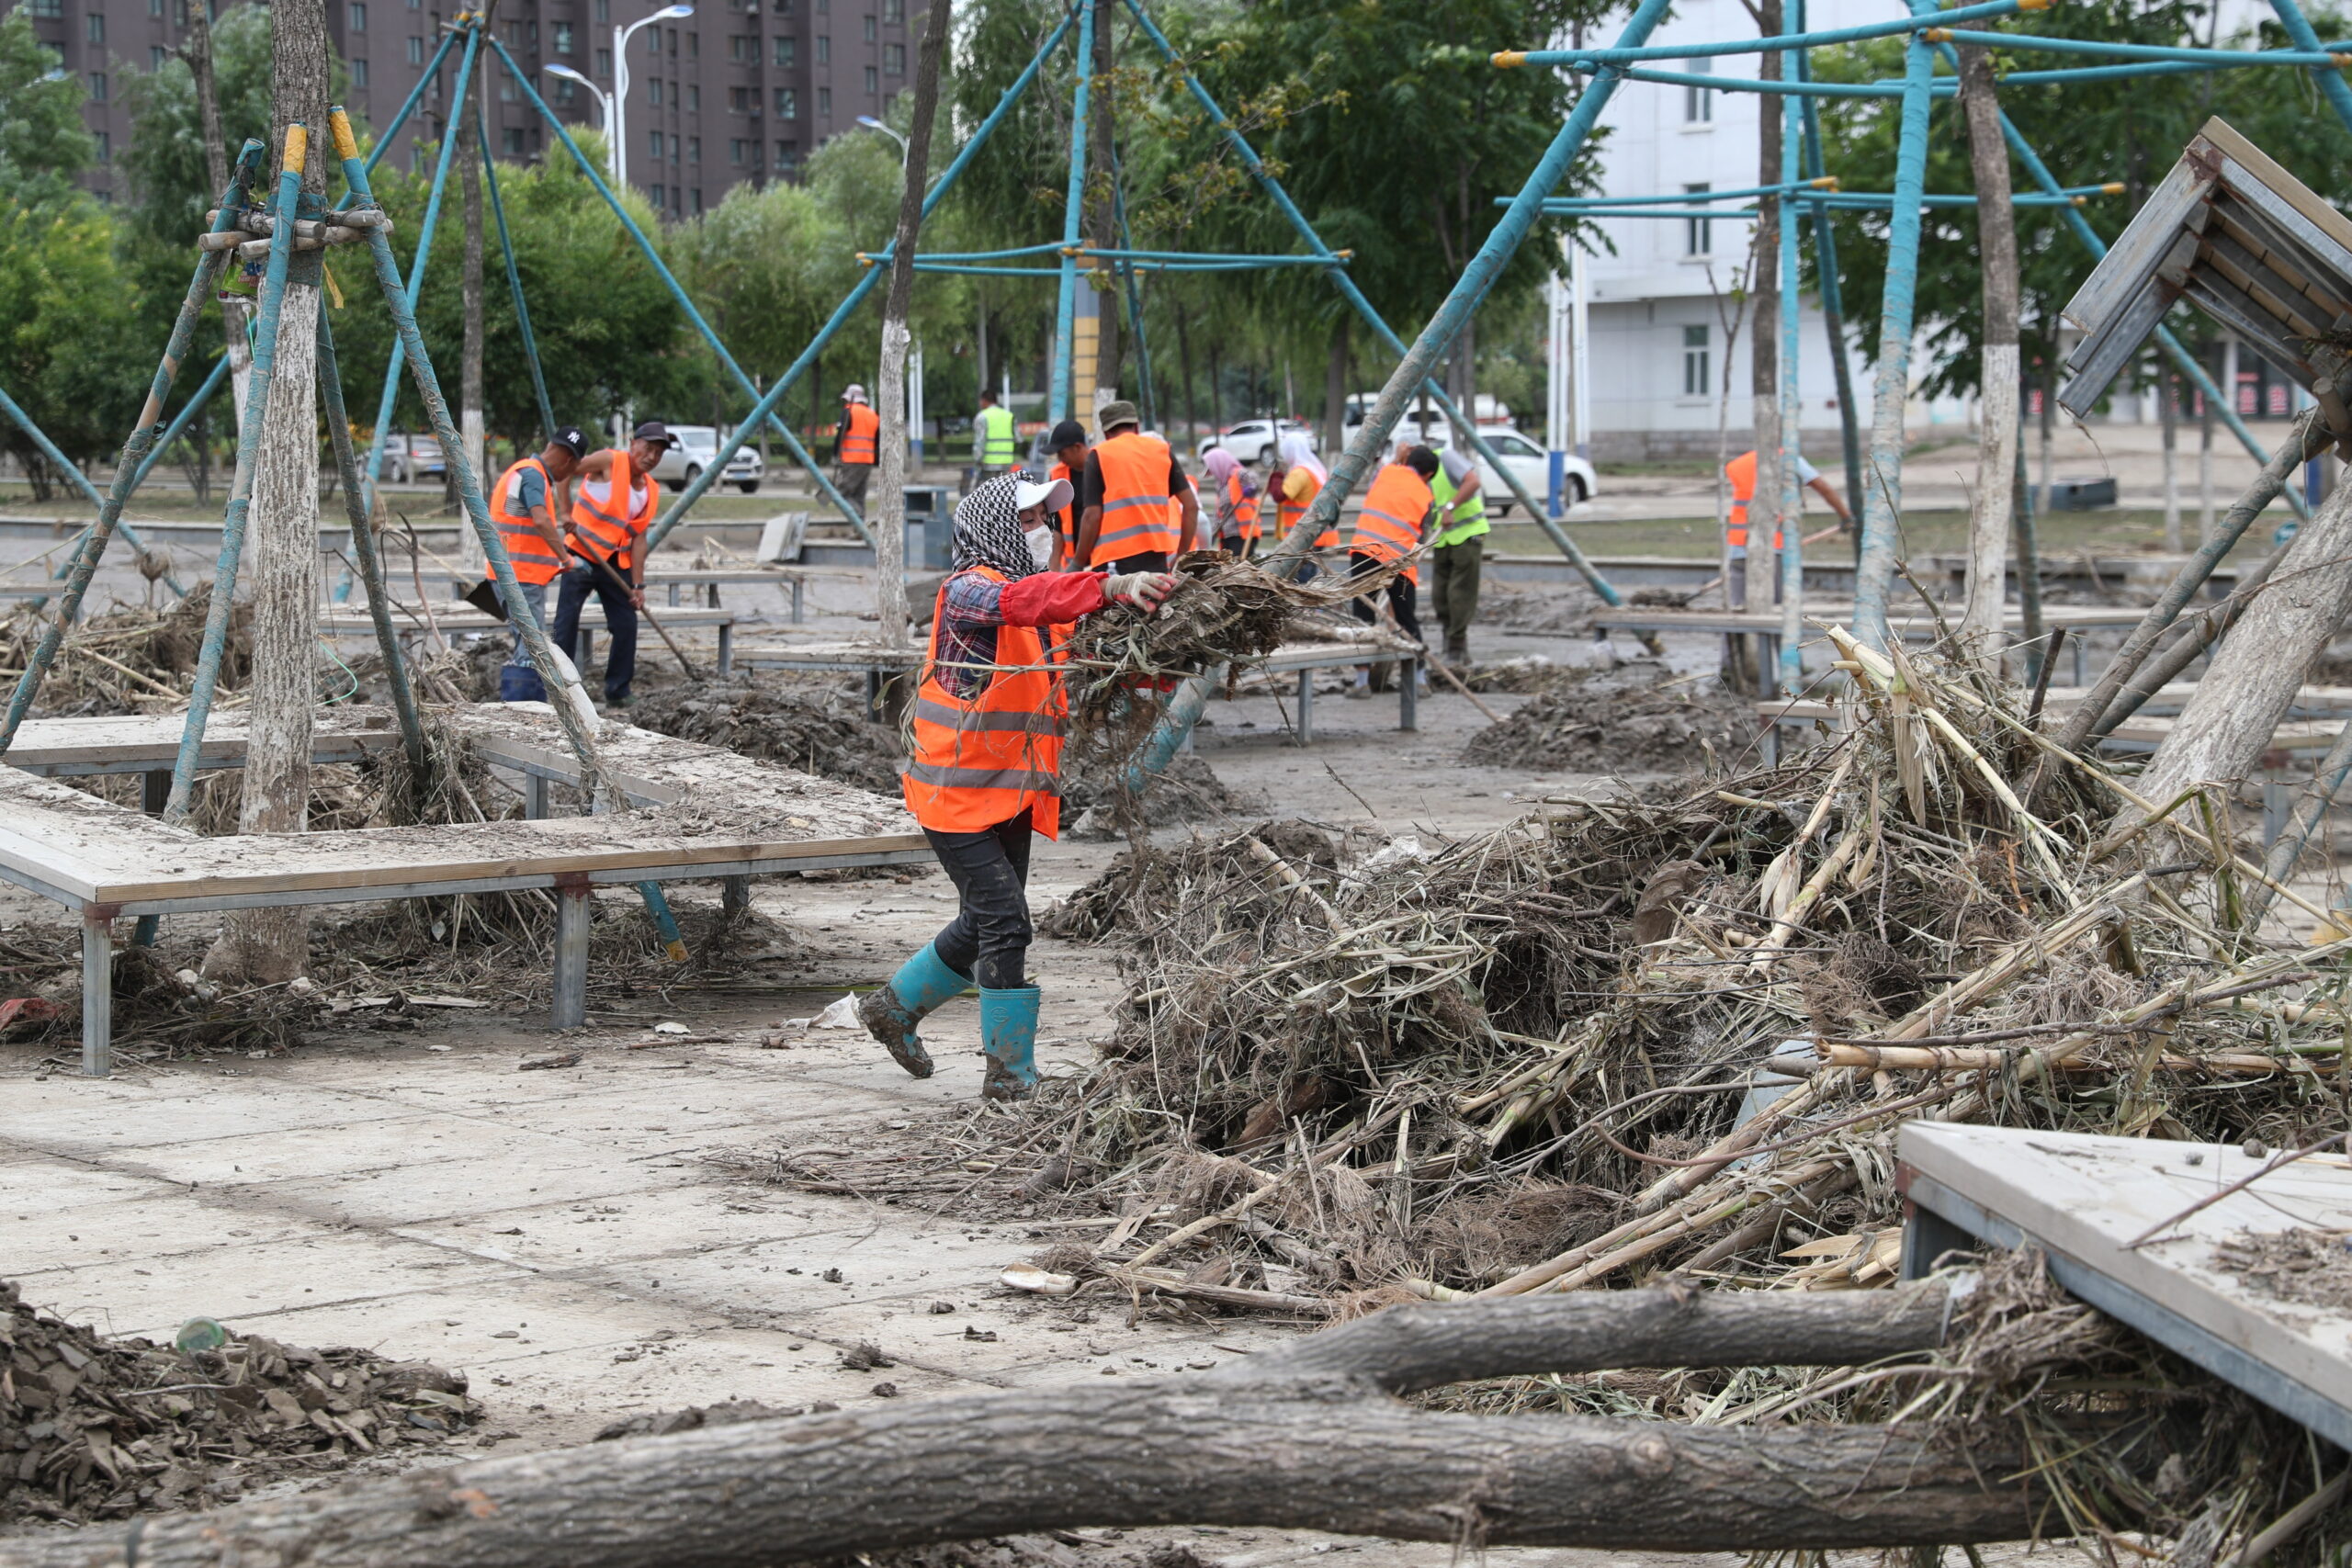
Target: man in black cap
{"x": 1068, "y": 444}
{"x": 524, "y": 506}
{"x": 615, "y": 500}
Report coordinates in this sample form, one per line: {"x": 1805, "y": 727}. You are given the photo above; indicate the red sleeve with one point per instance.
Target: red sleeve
{"x": 1051, "y": 598}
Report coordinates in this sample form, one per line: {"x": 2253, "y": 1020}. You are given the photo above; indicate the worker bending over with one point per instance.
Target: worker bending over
{"x": 613, "y": 503}
{"x": 1741, "y": 473}
{"x": 986, "y": 771}
{"x": 1126, "y": 519}
{"x": 1395, "y": 510}
{"x": 995, "y": 445}
{"x": 1458, "y": 559}
{"x": 1235, "y": 493}
{"x": 525, "y": 505}
{"x": 857, "y": 445}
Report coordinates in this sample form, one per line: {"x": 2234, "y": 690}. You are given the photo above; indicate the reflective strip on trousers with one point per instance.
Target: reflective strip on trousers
{"x": 955, "y": 717}
{"x": 1024, "y": 780}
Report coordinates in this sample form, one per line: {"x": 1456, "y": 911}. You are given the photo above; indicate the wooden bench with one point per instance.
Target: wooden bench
{"x": 349, "y": 621}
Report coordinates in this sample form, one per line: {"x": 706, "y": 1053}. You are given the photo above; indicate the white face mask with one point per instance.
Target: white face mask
{"x": 1041, "y": 546}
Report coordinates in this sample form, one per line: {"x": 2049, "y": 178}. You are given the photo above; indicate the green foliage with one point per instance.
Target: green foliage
{"x": 2130, "y": 130}
{"x": 68, "y": 350}
{"x": 43, "y": 142}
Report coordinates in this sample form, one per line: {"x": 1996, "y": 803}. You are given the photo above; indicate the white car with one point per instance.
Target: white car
{"x": 1256, "y": 440}
{"x": 692, "y": 446}
{"x": 1529, "y": 463}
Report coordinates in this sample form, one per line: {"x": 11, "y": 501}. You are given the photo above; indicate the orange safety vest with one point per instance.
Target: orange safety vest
{"x": 978, "y": 760}
{"x": 1741, "y": 472}
{"x": 534, "y": 559}
{"x": 862, "y": 443}
{"x": 1389, "y": 526}
{"x": 1176, "y": 517}
{"x": 1068, "y": 515}
{"x": 615, "y": 527}
{"x": 1245, "y": 507}
{"x": 1290, "y": 511}
{"x": 1139, "y": 514}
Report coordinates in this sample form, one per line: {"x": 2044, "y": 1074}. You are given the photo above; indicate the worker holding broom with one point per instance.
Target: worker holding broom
{"x": 524, "y": 506}
{"x": 612, "y": 506}
{"x": 985, "y": 772}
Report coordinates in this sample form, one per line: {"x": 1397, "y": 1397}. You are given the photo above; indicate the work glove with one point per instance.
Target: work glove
{"x": 1145, "y": 590}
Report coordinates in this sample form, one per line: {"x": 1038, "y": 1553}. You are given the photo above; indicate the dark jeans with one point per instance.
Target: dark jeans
{"x": 851, "y": 480}
{"x": 989, "y": 936}
{"x": 620, "y": 626}
{"x": 1142, "y": 561}
{"x": 1454, "y": 570}
{"x": 517, "y": 681}
{"x": 1233, "y": 544}
{"x": 1403, "y": 597}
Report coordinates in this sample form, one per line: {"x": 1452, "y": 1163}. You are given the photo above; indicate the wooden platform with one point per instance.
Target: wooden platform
{"x": 706, "y": 813}
{"x": 409, "y": 622}
{"x": 2084, "y": 1200}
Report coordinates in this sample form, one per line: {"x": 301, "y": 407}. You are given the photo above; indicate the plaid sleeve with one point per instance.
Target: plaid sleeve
{"x": 973, "y": 602}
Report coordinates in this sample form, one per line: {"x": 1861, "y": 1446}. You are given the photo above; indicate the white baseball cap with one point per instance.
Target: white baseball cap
{"x": 1053, "y": 494}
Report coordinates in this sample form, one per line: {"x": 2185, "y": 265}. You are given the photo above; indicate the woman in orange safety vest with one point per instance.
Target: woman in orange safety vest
{"x": 984, "y": 773}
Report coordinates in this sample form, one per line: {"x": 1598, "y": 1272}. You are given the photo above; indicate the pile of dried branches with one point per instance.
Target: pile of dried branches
{"x": 1634, "y": 717}
{"x": 815, "y": 724}
{"x": 1525, "y": 1061}
{"x": 130, "y": 660}
{"x": 95, "y": 1427}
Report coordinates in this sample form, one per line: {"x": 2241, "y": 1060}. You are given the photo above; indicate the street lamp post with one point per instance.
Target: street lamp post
{"x": 870, "y": 123}
{"x": 914, "y": 357}
{"x": 605, "y": 102}
{"x": 621, "y": 35}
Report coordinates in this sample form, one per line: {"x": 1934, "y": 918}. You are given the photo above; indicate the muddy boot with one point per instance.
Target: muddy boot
{"x": 1457, "y": 649}
{"x": 891, "y": 1013}
{"x": 1009, "y": 1035}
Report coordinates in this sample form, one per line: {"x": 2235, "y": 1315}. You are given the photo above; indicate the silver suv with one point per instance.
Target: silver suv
{"x": 692, "y": 448}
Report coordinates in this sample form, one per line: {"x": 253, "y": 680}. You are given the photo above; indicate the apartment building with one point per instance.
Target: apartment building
{"x": 740, "y": 90}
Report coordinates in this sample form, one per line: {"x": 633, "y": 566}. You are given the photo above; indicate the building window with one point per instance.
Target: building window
{"x": 156, "y": 9}
{"x": 97, "y": 87}
{"x": 416, "y": 52}
{"x": 675, "y": 143}
{"x": 94, "y": 26}
{"x": 563, "y": 90}
{"x": 563, "y": 37}
{"x": 653, "y": 90}
{"x": 355, "y": 18}
{"x": 1699, "y": 103}
{"x": 787, "y": 104}
{"x": 106, "y": 147}
{"x": 653, "y": 42}
{"x": 895, "y": 12}
{"x": 603, "y": 13}
{"x": 653, "y": 144}
{"x": 743, "y": 49}
{"x": 824, "y": 49}
{"x": 693, "y": 149}
{"x": 735, "y": 152}
{"x": 157, "y": 54}
{"x": 1694, "y": 361}
{"x": 515, "y": 146}
{"x": 1698, "y": 233}
{"x": 506, "y": 90}
{"x": 603, "y": 61}
{"x": 787, "y": 156}
{"x": 533, "y": 34}
{"x": 693, "y": 46}
{"x": 873, "y": 82}
{"x": 741, "y": 100}
{"x": 894, "y": 58}
{"x": 825, "y": 103}
{"x": 359, "y": 74}
{"x": 785, "y": 7}
{"x": 870, "y": 29}
{"x": 656, "y": 192}
{"x": 694, "y": 97}
{"x": 787, "y": 53}
{"x": 47, "y": 10}
{"x": 697, "y": 198}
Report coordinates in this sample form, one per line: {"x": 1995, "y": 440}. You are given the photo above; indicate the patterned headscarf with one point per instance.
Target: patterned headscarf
{"x": 989, "y": 531}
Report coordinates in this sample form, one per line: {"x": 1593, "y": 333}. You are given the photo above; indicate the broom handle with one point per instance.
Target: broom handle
{"x": 607, "y": 566}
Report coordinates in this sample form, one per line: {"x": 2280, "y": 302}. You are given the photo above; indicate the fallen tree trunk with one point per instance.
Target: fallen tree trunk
{"x": 1282, "y": 1440}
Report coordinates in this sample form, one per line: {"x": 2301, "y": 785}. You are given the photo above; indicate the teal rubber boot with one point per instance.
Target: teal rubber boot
{"x": 891, "y": 1013}
{"x": 1009, "y": 1035}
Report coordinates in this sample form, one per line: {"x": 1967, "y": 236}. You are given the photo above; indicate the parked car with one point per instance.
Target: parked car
{"x": 1529, "y": 463}
{"x": 1255, "y": 440}
{"x": 694, "y": 446}
{"x": 407, "y": 458}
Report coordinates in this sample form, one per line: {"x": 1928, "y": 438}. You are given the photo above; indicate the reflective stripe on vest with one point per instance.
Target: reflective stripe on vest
{"x": 615, "y": 527}
{"x": 1241, "y": 506}
{"x": 1469, "y": 521}
{"x": 983, "y": 760}
{"x": 998, "y": 445}
{"x": 1135, "y": 498}
{"x": 1389, "y": 526}
{"x": 860, "y": 443}
{"x": 534, "y": 559}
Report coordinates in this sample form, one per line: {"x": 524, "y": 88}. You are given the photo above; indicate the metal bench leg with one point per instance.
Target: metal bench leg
{"x": 1928, "y": 1236}
{"x": 154, "y": 791}
{"x": 2081, "y": 678}
{"x": 1306, "y": 707}
{"x": 535, "y": 795}
{"x": 1768, "y": 745}
{"x": 734, "y": 895}
{"x": 674, "y": 596}
{"x": 714, "y": 596}
{"x": 1408, "y": 715}
{"x": 874, "y": 693}
{"x": 797, "y": 607}
{"x": 587, "y": 655}
{"x": 97, "y": 989}
{"x": 725, "y": 646}
{"x": 573, "y": 892}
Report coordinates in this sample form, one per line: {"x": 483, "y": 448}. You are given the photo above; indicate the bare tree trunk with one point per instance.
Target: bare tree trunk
{"x": 2168, "y": 414}
{"x": 1764, "y": 359}
{"x": 1310, "y": 1439}
{"x": 1335, "y": 391}
{"x": 1184, "y": 364}
{"x": 470, "y": 155}
{"x": 1997, "y": 446}
{"x": 1102, "y": 221}
{"x": 2204, "y": 467}
{"x": 890, "y": 512}
{"x": 268, "y": 946}
{"x": 236, "y": 309}
{"x": 2227, "y": 723}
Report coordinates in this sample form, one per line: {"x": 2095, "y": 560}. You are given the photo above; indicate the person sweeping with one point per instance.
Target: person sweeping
{"x": 984, "y": 773}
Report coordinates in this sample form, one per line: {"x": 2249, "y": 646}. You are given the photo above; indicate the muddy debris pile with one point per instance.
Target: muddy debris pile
{"x": 1638, "y": 717}
{"x": 1189, "y": 790}
{"x": 97, "y": 1427}
{"x": 815, "y": 724}
{"x": 127, "y": 659}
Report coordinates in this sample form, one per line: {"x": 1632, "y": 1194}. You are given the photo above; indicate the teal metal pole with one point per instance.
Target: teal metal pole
{"x": 1627, "y": 54}
{"x": 90, "y": 492}
{"x": 2223, "y": 59}
{"x": 2330, "y": 79}
{"x": 180, "y": 420}
{"x": 1833, "y": 305}
{"x": 128, "y": 467}
{"x": 1792, "y": 561}
{"x": 1073, "y": 212}
{"x": 515, "y": 281}
{"x": 1883, "y": 491}
{"x": 387, "y": 399}
{"x": 283, "y": 207}
{"x": 792, "y": 446}
{"x": 765, "y": 408}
